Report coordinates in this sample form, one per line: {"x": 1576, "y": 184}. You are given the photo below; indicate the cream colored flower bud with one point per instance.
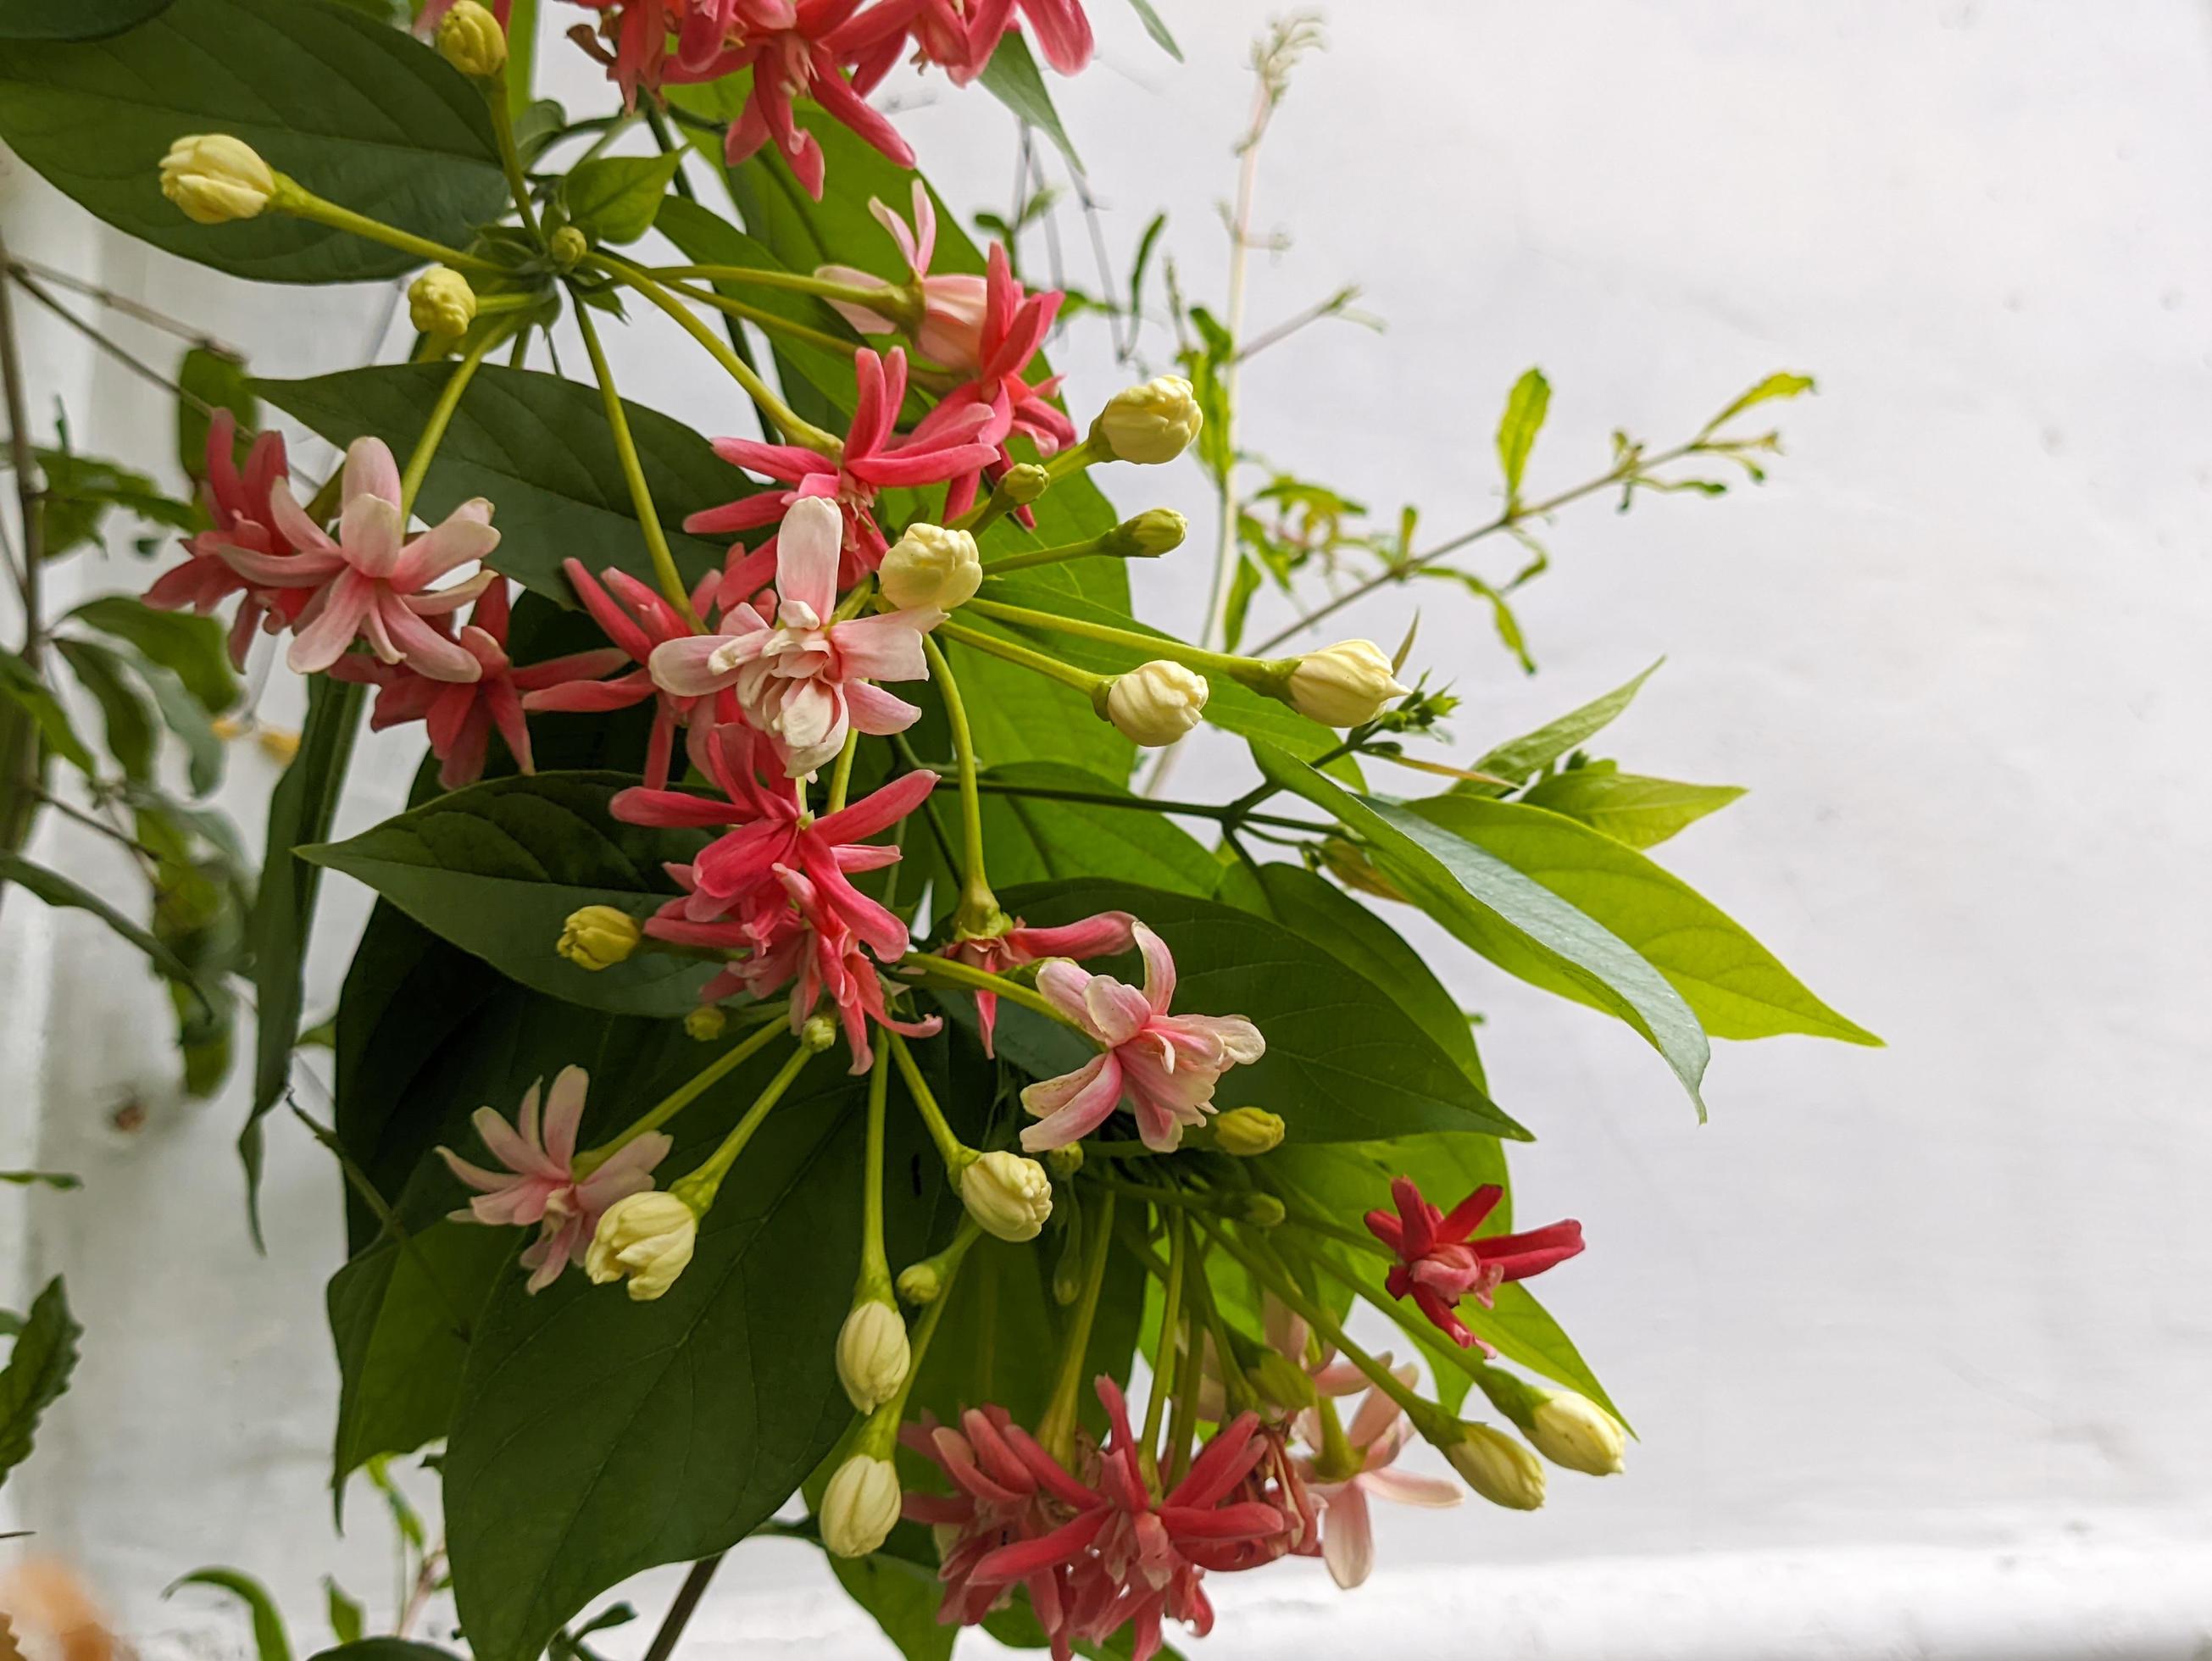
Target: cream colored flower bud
{"x": 1346, "y": 684}
{"x": 646, "y": 1239}
{"x": 598, "y": 937}
{"x": 1156, "y": 702}
{"x": 859, "y": 1505}
{"x": 1007, "y": 1195}
{"x": 214, "y": 177}
{"x": 1248, "y": 1131}
{"x": 1151, "y": 423}
{"x": 1156, "y": 531}
{"x": 1498, "y": 1468}
{"x": 441, "y": 303}
{"x": 1572, "y": 1431}
{"x": 706, "y": 1023}
{"x": 931, "y": 566}
{"x": 872, "y": 1356}
{"x": 471, "y": 40}
{"x": 922, "y": 1284}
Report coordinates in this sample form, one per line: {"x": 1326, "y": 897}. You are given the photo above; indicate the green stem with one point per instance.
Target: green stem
{"x": 441, "y": 415}
{"x": 1092, "y": 686}
{"x": 290, "y": 196}
{"x": 892, "y": 302}
{"x": 1075, "y": 457}
{"x": 875, "y": 1262}
{"x": 978, "y": 912}
{"x": 1056, "y": 1431}
{"x": 669, "y": 1105}
{"x": 956, "y": 1154}
{"x": 1264, "y": 675}
{"x": 972, "y": 979}
{"x": 1201, "y": 810}
{"x": 1165, "y": 1350}
{"x": 841, "y": 776}
{"x": 697, "y": 1188}
{"x": 1101, "y": 545}
{"x": 773, "y": 322}
{"x": 641, "y": 494}
{"x": 510, "y": 159}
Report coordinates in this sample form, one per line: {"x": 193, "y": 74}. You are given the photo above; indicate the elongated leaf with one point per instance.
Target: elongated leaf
{"x": 613, "y": 198}
{"x": 1521, "y": 759}
{"x": 270, "y": 1642}
{"x": 1012, "y": 77}
{"x": 132, "y": 738}
{"x": 55, "y": 1179}
{"x": 192, "y": 648}
{"x": 301, "y": 809}
{"x": 56, "y": 889}
{"x": 1157, "y": 29}
{"x": 348, "y": 1620}
{"x": 1512, "y": 920}
{"x": 1627, "y": 807}
{"x": 497, "y": 867}
{"x": 1783, "y": 383}
{"x": 73, "y": 19}
{"x": 19, "y": 686}
{"x": 37, "y": 1373}
{"x": 539, "y": 448}
{"x": 1526, "y": 406}
{"x": 364, "y": 115}
{"x": 187, "y": 717}
{"x": 1345, "y": 1062}
{"x": 1735, "y": 986}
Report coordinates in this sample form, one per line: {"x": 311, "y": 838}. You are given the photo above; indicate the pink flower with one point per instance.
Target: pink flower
{"x": 1167, "y": 1066}
{"x": 648, "y": 622}
{"x": 633, "y": 35}
{"x": 797, "y": 59}
{"x": 798, "y": 677}
{"x": 1440, "y": 1262}
{"x": 1063, "y": 32}
{"x": 373, "y": 582}
{"x": 870, "y": 462}
{"x": 239, "y": 508}
{"x": 1108, "y": 933}
{"x": 459, "y": 716}
{"x": 953, "y": 305}
{"x": 962, "y": 35}
{"x": 539, "y": 1184}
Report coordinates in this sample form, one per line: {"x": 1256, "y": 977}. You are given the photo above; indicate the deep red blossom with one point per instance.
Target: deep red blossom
{"x": 960, "y": 35}
{"x": 239, "y": 506}
{"x": 1440, "y": 1261}
{"x": 636, "y": 623}
{"x": 1099, "y": 936}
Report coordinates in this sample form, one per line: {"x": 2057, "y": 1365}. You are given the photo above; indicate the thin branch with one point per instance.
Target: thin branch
{"x": 125, "y": 305}
{"x": 137, "y": 365}
{"x": 679, "y": 1612}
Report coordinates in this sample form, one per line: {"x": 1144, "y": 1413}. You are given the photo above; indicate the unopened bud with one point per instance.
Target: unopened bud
{"x": 706, "y": 1023}
{"x": 1346, "y": 684}
{"x": 598, "y": 937}
{"x": 1348, "y": 863}
{"x": 1156, "y": 531}
{"x": 1023, "y": 482}
{"x": 859, "y": 1505}
{"x": 818, "y": 1034}
{"x": 1007, "y": 1195}
{"x": 1262, "y": 1210}
{"x": 471, "y": 40}
{"x": 214, "y": 177}
{"x": 922, "y": 1284}
{"x": 1572, "y": 1431}
{"x": 1248, "y": 1131}
{"x": 1498, "y": 1468}
{"x": 646, "y": 1239}
{"x": 1282, "y": 1381}
{"x": 872, "y": 1356}
{"x": 441, "y": 303}
{"x": 1156, "y": 702}
{"x": 567, "y": 246}
{"x": 1064, "y": 1162}
{"x": 1151, "y": 423}
{"x": 931, "y": 566}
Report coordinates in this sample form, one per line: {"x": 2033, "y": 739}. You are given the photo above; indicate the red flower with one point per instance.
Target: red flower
{"x": 649, "y": 621}
{"x": 240, "y": 508}
{"x": 800, "y": 59}
{"x": 1440, "y": 1262}
{"x": 1098, "y": 936}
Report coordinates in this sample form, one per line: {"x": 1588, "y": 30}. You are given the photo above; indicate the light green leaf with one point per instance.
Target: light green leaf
{"x": 1735, "y": 986}
{"x": 366, "y": 115}
{"x": 1157, "y": 29}
{"x": 1526, "y": 406}
{"x": 1522, "y": 758}
{"x": 613, "y": 198}
{"x": 1030, "y": 837}
{"x": 187, "y": 717}
{"x": 58, "y": 1179}
{"x": 348, "y": 1620}
{"x": 194, "y": 648}
{"x": 1012, "y": 77}
{"x": 271, "y": 1642}
{"x": 19, "y": 686}
{"x": 1627, "y": 807}
{"x": 1783, "y": 383}
{"x": 132, "y": 738}
{"x": 56, "y": 890}
{"x": 37, "y": 1373}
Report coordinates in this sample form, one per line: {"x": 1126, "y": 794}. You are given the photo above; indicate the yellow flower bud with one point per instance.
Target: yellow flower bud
{"x": 1156, "y": 702}
{"x": 598, "y": 937}
{"x": 567, "y": 246}
{"x": 1023, "y": 482}
{"x": 706, "y": 1023}
{"x": 818, "y": 1033}
{"x": 1151, "y": 423}
{"x": 471, "y": 40}
{"x": 1007, "y": 1195}
{"x": 1572, "y": 1431}
{"x": 646, "y": 1239}
{"x": 931, "y": 566}
{"x": 872, "y": 1356}
{"x": 859, "y": 1505}
{"x": 441, "y": 303}
{"x": 214, "y": 177}
{"x": 1248, "y": 1131}
{"x": 1156, "y": 531}
{"x": 1346, "y": 684}
{"x": 1498, "y": 1468}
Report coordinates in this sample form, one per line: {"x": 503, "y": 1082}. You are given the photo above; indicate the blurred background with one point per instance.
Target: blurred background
{"x": 1918, "y": 1340}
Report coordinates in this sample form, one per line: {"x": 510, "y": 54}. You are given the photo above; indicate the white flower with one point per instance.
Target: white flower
{"x": 931, "y": 566}
{"x": 1346, "y": 684}
{"x": 859, "y": 1505}
{"x": 1498, "y": 1468}
{"x": 1151, "y": 423}
{"x": 214, "y": 178}
{"x": 1577, "y": 1433}
{"x": 646, "y": 1239}
{"x": 1008, "y": 1196}
{"x": 1156, "y": 702}
{"x": 872, "y": 1356}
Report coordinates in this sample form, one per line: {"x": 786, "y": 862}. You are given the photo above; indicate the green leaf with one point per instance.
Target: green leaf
{"x": 385, "y": 1649}
{"x": 1521, "y": 759}
{"x": 1627, "y": 807}
{"x": 348, "y": 1620}
{"x": 81, "y": 491}
{"x": 1735, "y": 986}
{"x": 194, "y": 648}
{"x": 133, "y": 739}
{"x": 220, "y": 381}
{"x": 613, "y": 198}
{"x": 1033, "y": 838}
{"x": 21, "y": 685}
{"x": 1526, "y": 406}
{"x": 1157, "y": 29}
{"x": 538, "y": 447}
{"x": 1783, "y": 383}
{"x": 1512, "y": 920}
{"x": 270, "y": 1640}
{"x": 58, "y": 1179}
{"x": 1012, "y": 77}
{"x": 37, "y": 1373}
{"x": 73, "y": 19}
{"x": 1242, "y": 588}
{"x": 366, "y": 116}
{"x": 902, "y": 1596}
{"x": 1346, "y": 1061}
{"x": 301, "y": 809}
{"x": 56, "y": 890}
{"x": 187, "y": 717}
{"x": 497, "y": 867}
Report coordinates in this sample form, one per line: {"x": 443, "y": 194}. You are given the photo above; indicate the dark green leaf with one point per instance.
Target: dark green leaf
{"x": 55, "y": 889}
{"x": 73, "y": 19}
{"x": 385, "y": 1649}
{"x": 220, "y": 381}
{"x": 613, "y": 198}
{"x": 1029, "y": 838}
{"x": 270, "y": 1640}
{"x": 1012, "y": 77}
{"x": 902, "y": 1596}
{"x": 1525, "y": 409}
{"x": 81, "y": 491}
{"x": 133, "y": 739}
{"x": 348, "y": 1620}
{"x": 19, "y": 686}
{"x": 193, "y": 647}
{"x": 60, "y": 1179}
{"x": 37, "y": 1373}
{"x": 1627, "y": 807}
{"x": 363, "y": 115}
{"x": 1522, "y": 758}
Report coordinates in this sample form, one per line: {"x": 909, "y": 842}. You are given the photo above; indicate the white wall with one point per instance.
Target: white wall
{"x": 1916, "y": 1340}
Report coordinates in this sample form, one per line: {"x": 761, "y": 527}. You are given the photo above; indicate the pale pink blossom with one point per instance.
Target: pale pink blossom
{"x": 372, "y": 582}
{"x": 798, "y": 677}
{"x": 952, "y": 332}
{"x": 1165, "y": 1066}
{"x": 539, "y": 1184}
{"x": 1100, "y": 936}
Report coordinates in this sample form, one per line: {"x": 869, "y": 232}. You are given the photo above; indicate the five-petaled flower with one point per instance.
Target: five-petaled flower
{"x": 951, "y": 331}
{"x": 238, "y": 503}
{"x": 1440, "y": 1261}
{"x": 1099, "y": 936}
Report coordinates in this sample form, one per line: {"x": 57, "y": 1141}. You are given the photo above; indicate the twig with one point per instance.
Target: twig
{"x": 679, "y": 1612}
{"x": 138, "y": 366}
{"x": 19, "y": 765}
{"x": 125, "y": 305}
{"x": 427, "y": 1576}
